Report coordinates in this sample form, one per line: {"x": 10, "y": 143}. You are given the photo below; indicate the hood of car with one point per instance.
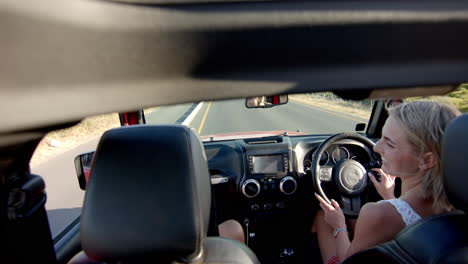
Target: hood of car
{"x": 250, "y": 134}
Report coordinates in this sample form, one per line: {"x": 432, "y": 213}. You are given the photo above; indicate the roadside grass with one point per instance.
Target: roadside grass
{"x": 362, "y": 109}
{"x": 459, "y": 98}
{"x": 59, "y": 141}
{"x": 328, "y": 100}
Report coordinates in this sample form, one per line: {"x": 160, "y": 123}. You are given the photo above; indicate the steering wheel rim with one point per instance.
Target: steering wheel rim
{"x": 317, "y": 172}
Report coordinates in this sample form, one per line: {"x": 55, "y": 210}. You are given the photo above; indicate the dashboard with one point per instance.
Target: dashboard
{"x": 271, "y": 174}
{"x": 336, "y": 153}
{"x": 266, "y": 184}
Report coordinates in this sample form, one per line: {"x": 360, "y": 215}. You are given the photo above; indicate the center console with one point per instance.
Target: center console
{"x": 269, "y": 188}
{"x": 269, "y": 170}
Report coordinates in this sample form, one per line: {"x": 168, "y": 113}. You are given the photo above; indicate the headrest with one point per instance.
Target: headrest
{"x": 149, "y": 197}
{"x": 455, "y": 162}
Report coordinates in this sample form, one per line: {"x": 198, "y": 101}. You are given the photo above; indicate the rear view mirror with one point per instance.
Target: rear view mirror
{"x": 265, "y": 101}
{"x": 83, "y": 165}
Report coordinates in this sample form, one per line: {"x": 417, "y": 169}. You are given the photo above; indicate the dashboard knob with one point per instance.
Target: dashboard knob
{"x": 280, "y": 205}
{"x": 250, "y": 188}
{"x": 288, "y": 185}
{"x": 254, "y": 207}
{"x": 267, "y": 206}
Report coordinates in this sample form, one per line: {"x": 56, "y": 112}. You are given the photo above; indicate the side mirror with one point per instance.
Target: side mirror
{"x": 360, "y": 127}
{"x": 266, "y": 101}
{"x": 392, "y": 102}
{"x": 83, "y": 165}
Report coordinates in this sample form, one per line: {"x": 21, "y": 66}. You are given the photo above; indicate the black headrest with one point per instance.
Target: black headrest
{"x": 149, "y": 197}
{"x": 455, "y": 162}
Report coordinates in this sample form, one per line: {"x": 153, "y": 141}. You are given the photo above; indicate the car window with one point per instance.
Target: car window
{"x": 53, "y": 160}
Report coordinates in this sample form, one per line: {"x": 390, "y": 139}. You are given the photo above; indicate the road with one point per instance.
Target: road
{"x": 65, "y": 198}
{"x": 233, "y": 116}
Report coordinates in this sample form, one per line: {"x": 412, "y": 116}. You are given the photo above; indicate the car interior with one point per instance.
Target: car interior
{"x": 156, "y": 193}
{"x": 177, "y": 223}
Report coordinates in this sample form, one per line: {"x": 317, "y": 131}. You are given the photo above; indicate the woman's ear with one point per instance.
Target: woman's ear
{"x": 428, "y": 161}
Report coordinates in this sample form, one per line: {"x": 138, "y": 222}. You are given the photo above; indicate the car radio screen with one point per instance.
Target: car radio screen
{"x": 267, "y": 164}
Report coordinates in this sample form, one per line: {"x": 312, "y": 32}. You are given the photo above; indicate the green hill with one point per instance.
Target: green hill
{"x": 460, "y": 97}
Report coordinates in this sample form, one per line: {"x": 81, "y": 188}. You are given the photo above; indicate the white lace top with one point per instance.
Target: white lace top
{"x": 407, "y": 213}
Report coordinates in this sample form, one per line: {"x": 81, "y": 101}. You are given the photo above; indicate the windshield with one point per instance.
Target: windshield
{"x": 322, "y": 113}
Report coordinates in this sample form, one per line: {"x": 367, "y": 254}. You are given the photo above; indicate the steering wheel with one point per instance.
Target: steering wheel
{"x": 349, "y": 176}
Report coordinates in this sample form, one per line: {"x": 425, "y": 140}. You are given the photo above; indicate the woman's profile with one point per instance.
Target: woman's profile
{"x": 410, "y": 148}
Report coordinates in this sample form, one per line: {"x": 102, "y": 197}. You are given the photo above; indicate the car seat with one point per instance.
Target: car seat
{"x": 148, "y": 201}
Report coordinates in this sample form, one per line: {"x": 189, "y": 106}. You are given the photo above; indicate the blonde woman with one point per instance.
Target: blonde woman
{"x": 410, "y": 149}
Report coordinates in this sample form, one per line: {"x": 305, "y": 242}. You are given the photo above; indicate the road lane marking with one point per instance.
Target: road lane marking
{"x": 302, "y": 102}
{"x": 189, "y": 118}
{"x": 203, "y": 119}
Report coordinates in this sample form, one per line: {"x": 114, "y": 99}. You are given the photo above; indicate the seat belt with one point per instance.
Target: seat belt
{"x": 26, "y": 224}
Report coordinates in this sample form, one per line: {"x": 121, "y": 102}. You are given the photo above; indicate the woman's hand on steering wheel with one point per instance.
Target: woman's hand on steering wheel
{"x": 332, "y": 214}
{"x": 386, "y": 186}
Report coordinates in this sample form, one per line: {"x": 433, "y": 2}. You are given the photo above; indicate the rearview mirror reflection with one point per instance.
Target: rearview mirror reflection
{"x": 265, "y": 101}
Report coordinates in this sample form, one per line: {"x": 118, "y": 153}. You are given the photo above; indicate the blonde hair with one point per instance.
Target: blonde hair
{"x": 424, "y": 123}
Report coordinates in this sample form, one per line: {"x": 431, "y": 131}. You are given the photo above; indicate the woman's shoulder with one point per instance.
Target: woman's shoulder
{"x": 376, "y": 208}
{"x": 381, "y": 212}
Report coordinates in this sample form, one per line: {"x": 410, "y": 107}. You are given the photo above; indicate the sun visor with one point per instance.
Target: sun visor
{"x": 396, "y": 92}
{"x": 93, "y": 57}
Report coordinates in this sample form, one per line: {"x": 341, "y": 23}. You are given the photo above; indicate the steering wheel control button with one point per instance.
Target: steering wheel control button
{"x": 288, "y": 185}
{"x": 352, "y": 178}
{"x": 325, "y": 173}
{"x": 250, "y": 188}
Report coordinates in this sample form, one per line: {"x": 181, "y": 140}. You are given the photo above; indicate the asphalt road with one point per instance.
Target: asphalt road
{"x": 65, "y": 198}
{"x": 233, "y": 116}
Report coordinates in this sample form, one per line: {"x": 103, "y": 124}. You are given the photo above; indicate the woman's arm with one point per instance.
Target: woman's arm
{"x": 377, "y": 223}
{"x": 342, "y": 245}
{"x": 334, "y": 217}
